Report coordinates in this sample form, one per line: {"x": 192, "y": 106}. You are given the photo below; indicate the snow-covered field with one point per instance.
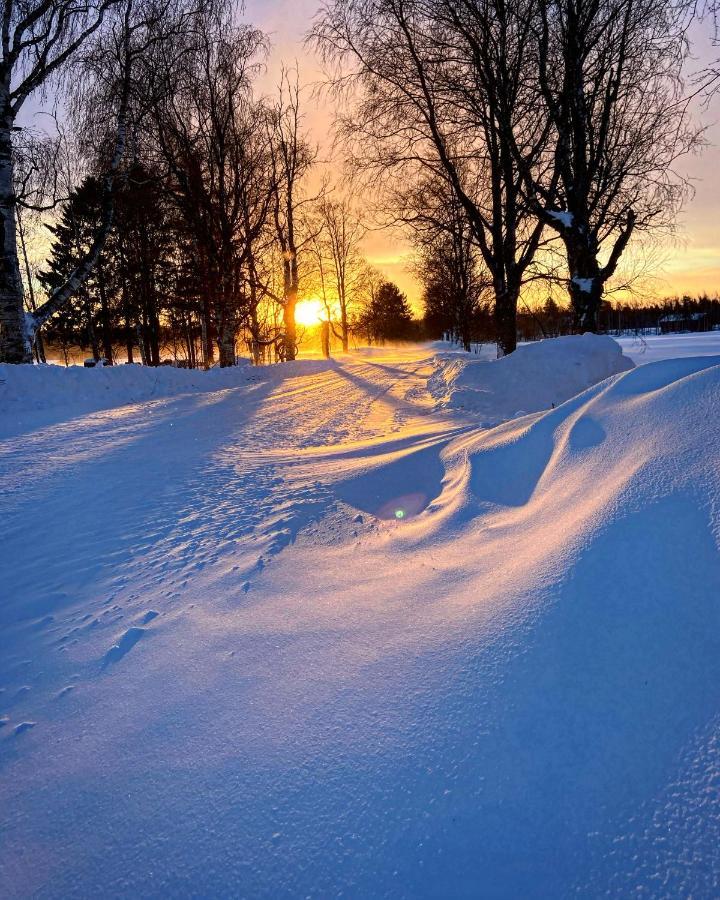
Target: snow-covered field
{"x": 652, "y": 348}
{"x": 311, "y": 630}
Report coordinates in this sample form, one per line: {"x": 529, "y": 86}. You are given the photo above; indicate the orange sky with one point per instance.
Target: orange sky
{"x": 692, "y": 259}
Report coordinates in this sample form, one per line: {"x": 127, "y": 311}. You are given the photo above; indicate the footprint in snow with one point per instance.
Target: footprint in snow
{"x": 23, "y": 726}
{"x": 149, "y": 616}
{"x": 19, "y": 694}
{"x": 124, "y": 645}
{"x": 66, "y": 690}
{"x": 4, "y": 720}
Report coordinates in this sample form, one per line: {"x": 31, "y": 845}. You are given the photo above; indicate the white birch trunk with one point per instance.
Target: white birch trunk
{"x": 15, "y": 342}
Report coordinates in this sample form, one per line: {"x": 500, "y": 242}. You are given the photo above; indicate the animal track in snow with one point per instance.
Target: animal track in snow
{"x": 124, "y": 645}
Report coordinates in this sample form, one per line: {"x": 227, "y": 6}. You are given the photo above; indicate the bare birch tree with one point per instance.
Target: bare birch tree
{"x": 38, "y": 39}
{"x": 341, "y": 234}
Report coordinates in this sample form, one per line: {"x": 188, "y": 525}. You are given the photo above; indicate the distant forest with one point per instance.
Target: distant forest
{"x": 667, "y": 314}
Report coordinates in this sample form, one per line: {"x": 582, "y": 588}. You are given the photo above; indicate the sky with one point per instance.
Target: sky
{"x": 689, "y": 262}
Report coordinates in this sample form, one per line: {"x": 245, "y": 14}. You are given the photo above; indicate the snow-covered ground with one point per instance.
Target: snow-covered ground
{"x": 640, "y": 349}
{"x": 310, "y": 630}
{"x": 652, "y": 348}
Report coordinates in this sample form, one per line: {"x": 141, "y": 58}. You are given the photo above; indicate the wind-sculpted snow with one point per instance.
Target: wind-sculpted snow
{"x": 230, "y": 668}
{"x": 537, "y": 376}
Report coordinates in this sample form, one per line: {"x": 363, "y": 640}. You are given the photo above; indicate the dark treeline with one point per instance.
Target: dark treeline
{"x": 188, "y": 230}
{"x": 666, "y": 315}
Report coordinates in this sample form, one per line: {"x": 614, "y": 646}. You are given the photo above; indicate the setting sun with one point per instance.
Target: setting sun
{"x": 309, "y": 312}
{"x": 313, "y": 311}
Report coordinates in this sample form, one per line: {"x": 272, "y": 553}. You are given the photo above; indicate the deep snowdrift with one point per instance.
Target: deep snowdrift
{"x": 537, "y": 376}
{"x": 231, "y": 675}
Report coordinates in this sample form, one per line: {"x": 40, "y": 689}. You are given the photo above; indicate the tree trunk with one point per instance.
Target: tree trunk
{"x": 15, "y": 347}
{"x": 289, "y": 326}
{"x": 290, "y": 278}
{"x": 586, "y": 297}
{"x": 206, "y": 331}
{"x": 226, "y": 341}
{"x": 39, "y": 345}
{"x": 586, "y": 285}
{"x": 344, "y": 328}
{"x": 92, "y": 332}
{"x": 506, "y": 320}
{"x": 129, "y": 339}
{"x": 153, "y": 330}
{"x": 253, "y": 310}
{"x": 189, "y": 340}
{"x": 325, "y": 339}
{"x": 126, "y": 309}
{"x": 150, "y": 299}
{"x": 105, "y": 313}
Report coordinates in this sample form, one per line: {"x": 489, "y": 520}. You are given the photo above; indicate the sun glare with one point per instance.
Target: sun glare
{"x": 309, "y": 312}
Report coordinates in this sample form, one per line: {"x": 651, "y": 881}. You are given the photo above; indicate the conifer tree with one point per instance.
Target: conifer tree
{"x": 388, "y": 316}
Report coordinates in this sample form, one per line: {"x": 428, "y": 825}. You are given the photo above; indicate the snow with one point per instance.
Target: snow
{"x": 102, "y": 387}
{"x": 563, "y": 216}
{"x": 537, "y": 376}
{"x": 585, "y": 284}
{"x": 227, "y": 668}
{"x": 651, "y": 348}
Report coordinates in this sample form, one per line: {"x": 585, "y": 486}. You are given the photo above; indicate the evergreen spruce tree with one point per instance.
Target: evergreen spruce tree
{"x": 88, "y": 317}
{"x": 389, "y": 316}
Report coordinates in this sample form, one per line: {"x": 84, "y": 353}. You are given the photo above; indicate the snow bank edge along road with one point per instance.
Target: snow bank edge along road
{"x": 75, "y": 388}
{"x": 536, "y": 377}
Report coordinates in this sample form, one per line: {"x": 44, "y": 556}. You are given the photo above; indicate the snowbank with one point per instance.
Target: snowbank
{"x": 28, "y": 388}
{"x": 537, "y": 376}
{"x": 49, "y": 386}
